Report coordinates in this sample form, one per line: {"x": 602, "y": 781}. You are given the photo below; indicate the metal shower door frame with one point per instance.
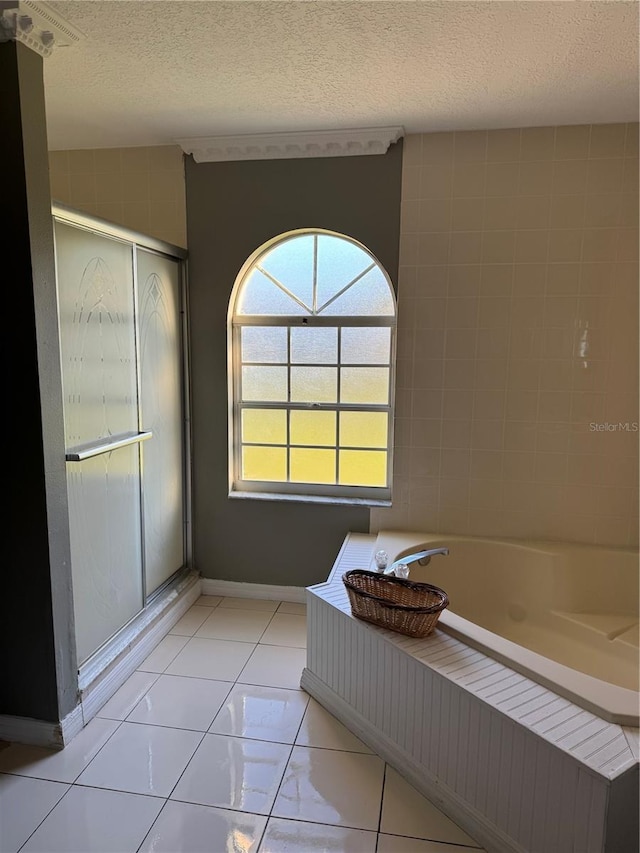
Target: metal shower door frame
{"x": 87, "y": 222}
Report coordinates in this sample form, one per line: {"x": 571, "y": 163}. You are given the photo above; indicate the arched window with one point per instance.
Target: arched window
{"x": 312, "y": 338}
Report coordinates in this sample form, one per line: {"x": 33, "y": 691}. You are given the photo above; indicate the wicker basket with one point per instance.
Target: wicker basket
{"x": 400, "y": 605}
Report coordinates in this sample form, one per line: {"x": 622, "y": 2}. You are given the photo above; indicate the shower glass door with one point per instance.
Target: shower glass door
{"x": 98, "y": 345}
{"x": 161, "y": 410}
{"x": 121, "y": 349}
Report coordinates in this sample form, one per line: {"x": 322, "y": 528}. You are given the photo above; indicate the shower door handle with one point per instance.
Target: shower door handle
{"x": 96, "y": 448}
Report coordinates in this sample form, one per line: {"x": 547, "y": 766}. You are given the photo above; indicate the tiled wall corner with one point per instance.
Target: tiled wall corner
{"x": 518, "y": 330}
{"x": 140, "y": 188}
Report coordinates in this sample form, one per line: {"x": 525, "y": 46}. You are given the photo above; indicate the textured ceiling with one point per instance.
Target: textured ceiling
{"x": 150, "y": 72}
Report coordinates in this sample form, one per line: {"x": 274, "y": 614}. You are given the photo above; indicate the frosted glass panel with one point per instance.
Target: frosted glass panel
{"x": 291, "y": 263}
{"x": 97, "y": 331}
{"x": 313, "y": 428}
{"x": 104, "y": 521}
{"x": 339, "y": 262}
{"x": 314, "y": 384}
{"x": 264, "y": 463}
{"x": 314, "y": 345}
{"x": 264, "y": 344}
{"x": 363, "y": 468}
{"x": 363, "y": 429}
{"x": 264, "y": 426}
{"x": 366, "y": 346}
{"x": 264, "y": 383}
{"x": 368, "y": 296}
{"x": 161, "y": 411}
{"x": 313, "y": 466}
{"x": 364, "y": 385}
{"x": 260, "y": 295}
{"x": 95, "y": 294}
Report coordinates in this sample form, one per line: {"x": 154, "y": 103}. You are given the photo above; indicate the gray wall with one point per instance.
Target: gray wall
{"x": 232, "y": 209}
{"x": 38, "y": 648}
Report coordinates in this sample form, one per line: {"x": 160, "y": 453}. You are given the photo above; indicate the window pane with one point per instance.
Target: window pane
{"x": 339, "y": 262}
{"x": 264, "y": 463}
{"x": 314, "y": 346}
{"x": 314, "y": 384}
{"x": 264, "y": 343}
{"x": 264, "y": 426}
{"x": 366, "y": 346}
{"x": 312, "y": 466}
{"x": 259, "y": 295}
{"x": 264, "y": 383}
{"x": 369, "y": 295}
{"x": 364, "y": 385}
{"x": 294, "y": 381}
{"x": 313, "y": 428}
{"x": 291, "y": 262}
{"x": 363, "y": 429}
{"x": 363, "y": 468}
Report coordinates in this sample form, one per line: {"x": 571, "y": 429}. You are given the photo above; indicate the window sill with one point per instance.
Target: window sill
{"x": 308, "y": 499}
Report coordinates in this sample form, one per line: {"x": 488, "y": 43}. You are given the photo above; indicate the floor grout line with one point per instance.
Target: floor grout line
{"x": 164, "y": 805}
{"x": 54, "y": 806}
{"x": 231, "y": 685}
{"x": 120, "y": 722}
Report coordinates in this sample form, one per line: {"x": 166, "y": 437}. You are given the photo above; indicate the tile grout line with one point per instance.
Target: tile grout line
{"x": 70, "y": 784}
{"x": 247, "y": 610}
{"x": 119, "y": 791}
{"x": 54, "y": 806}
{"x": 232, "y": 685}
{"x": 153, "y": 683}
{"x": 384, "y": 781}
{"x": 148, "y": 832}
{"x": 177, "y": 782}
{"x": 284, "y": 772}
{"x": 269, "y": 623}
{"x": 167, "y": 798}
{"x": 200, "y": 742}
{"x": 120, "y": 723}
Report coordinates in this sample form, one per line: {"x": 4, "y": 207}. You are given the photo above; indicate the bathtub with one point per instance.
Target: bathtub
{"x": 518, "y": 715}
{"x": 564, "y": 615}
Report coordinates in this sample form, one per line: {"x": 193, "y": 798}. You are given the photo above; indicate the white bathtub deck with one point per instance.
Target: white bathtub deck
{"x": 520, "y": 768}
{"x": 606, "y": 748}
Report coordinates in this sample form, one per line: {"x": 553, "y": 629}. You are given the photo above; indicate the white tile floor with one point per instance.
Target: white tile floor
{"x": 212, "y": 746}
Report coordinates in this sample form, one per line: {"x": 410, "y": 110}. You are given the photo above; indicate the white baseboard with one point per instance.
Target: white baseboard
{"x": 72, "y": 724}
{"x": 26, "y": 730}
{"x": 266, "y": 591}
{"x": 444, "y": 798}
{"x": 41, "y": 732}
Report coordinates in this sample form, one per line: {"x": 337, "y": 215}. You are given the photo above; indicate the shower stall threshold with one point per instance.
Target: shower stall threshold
{"x": 105, "y": 671}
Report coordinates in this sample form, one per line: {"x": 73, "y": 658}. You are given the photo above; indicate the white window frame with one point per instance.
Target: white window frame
{"x": 294, "y": 491}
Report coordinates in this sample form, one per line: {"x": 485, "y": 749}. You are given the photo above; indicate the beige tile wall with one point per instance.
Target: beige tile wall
{"x": 141, "y": 188}
{"x": 518, "y": 321}
{"x": 518, "y": 328}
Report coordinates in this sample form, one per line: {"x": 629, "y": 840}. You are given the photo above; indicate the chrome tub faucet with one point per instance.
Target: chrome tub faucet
{"x": 400, "y": 568}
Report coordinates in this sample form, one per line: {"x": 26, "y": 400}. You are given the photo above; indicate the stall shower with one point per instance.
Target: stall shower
{"x": 121, "y": 311}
